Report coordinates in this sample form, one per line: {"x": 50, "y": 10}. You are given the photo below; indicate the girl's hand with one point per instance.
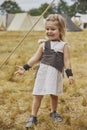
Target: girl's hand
{"x": 20, "y": 71}
{"x": 71, "y": 80}
{"x": 41, "y": 40}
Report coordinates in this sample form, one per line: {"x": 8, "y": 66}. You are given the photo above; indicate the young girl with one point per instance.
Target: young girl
{"x": 53, "y": 56}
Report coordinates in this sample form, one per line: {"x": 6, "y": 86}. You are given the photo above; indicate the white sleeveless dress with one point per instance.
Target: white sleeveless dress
{"x": 49, "y": 80}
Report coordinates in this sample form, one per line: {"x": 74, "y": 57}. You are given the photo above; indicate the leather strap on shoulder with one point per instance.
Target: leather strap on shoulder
{"x": 47, "y": 45}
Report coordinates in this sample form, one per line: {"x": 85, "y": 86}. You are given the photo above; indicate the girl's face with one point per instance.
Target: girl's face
{"x": 52, "y": 31}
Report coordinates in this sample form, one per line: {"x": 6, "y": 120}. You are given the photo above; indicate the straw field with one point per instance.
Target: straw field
{"x": 16, "y": 91}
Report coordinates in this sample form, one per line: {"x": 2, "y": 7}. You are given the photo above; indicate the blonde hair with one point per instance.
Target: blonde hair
{"x": 60, "y": 22}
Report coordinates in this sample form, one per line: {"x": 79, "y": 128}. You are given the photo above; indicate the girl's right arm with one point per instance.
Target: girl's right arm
{"x": 31, "y": 61}
{"x": 67, "y": 64}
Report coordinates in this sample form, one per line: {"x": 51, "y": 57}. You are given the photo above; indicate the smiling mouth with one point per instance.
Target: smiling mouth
{"x": 50, "y": 35}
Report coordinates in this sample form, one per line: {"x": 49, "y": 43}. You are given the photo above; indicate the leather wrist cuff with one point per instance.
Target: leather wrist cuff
{"x": 69, "y": 72}
{"x": 26, "y": 67}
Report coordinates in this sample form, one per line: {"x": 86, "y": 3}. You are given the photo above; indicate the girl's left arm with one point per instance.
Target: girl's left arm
{"x": 67, "y": 64}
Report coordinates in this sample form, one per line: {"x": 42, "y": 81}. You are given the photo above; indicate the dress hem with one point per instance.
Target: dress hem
{"x": 59, "y": 94}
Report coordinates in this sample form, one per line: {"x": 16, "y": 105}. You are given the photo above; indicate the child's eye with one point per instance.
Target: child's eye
{"x": 52, "y": 29}
{"x": 47, "y": 29}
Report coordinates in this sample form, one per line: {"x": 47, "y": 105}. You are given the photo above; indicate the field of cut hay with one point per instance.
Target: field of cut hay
{"x": 16, "y": 91}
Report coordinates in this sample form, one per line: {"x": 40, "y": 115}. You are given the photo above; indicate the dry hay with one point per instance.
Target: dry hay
{"x": 16, "y": 92}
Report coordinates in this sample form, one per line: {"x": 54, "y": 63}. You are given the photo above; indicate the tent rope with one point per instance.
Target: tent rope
{"x": 26, "y": 35}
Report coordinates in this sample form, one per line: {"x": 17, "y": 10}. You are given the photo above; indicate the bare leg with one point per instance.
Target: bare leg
{"x": 36, "y": 104}
{"x": 54, "y": 114}
{"x": 35, "y": 107}
{"x": 54, "y": 102}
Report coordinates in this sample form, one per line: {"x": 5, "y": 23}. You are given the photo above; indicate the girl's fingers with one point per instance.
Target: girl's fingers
{"x": 16, "y": 72}
{"x": 20, "y": 70}
{"x": 20, "y": 67}
{"x": 71, "y": 81}
{"x": 19, "y": 73}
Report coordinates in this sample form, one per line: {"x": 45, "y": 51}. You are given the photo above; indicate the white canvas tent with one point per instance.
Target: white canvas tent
{"x": 20, "y": 22}
{"x": 9, "y": 19}
{"x": 81, "y": 19}
{"x": 3, "y": 22}
{"x": 24, "y": 22}
{"x": 40, "y": 25}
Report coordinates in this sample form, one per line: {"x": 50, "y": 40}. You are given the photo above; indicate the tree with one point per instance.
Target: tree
{"x": 11, "y": 7}
{"x": 39, "y": 11}
{"x": 62, "y": 7}
{"x": 80, "y": 6}
{"x": 50, "y": 10}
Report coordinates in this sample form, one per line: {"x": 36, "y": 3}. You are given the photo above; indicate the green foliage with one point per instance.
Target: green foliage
{"x": 11, "y": 7}
{"x": 62, "y": 7}
{"x": 80, "y": 6}
{"x": 34, "y": 12}
{"x": 39, "y": 11}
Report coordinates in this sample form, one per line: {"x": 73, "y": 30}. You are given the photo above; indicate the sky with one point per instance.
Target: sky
{"x": 29, "y": 4}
